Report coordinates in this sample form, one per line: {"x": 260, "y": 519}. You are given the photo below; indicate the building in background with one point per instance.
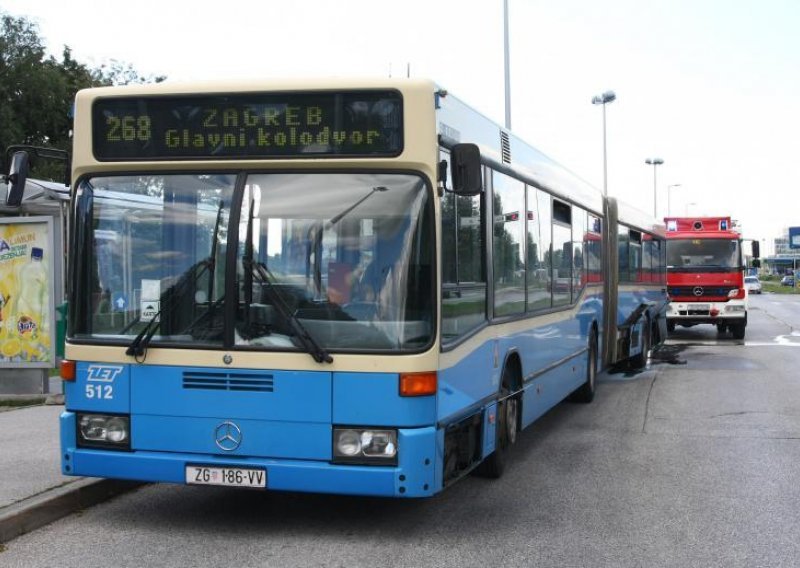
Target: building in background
{"x": 785, "y": 259}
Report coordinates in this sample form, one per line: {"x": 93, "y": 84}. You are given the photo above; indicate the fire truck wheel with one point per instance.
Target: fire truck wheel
{"x": 721, "y": 328}
{"x": 738, "y": 330}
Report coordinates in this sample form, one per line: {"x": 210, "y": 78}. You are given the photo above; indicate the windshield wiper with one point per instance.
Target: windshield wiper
{"x": 138, "y": 346}
{"x": 310, "y": 344}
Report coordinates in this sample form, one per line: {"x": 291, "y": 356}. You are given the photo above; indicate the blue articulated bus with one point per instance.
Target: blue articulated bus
{"x": 355, "y": 286}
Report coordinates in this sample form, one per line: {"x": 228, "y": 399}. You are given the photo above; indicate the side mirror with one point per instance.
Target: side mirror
{"x": 17, "y": 177}
{"x": 756, "y": 249}
{"x": 466, "y": 169}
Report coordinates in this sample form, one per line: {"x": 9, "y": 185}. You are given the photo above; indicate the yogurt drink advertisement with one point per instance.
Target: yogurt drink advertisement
{"x": 26, "y": 292}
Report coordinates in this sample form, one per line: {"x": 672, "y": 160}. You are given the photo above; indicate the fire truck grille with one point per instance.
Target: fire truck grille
{"x": 707, "y": 292}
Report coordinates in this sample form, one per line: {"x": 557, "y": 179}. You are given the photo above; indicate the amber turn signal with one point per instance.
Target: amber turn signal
{"x": 67, "y": 370}
{"x": 418, "y": 384}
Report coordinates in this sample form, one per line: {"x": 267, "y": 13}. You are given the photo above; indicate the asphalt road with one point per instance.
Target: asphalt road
{"x": 693, "y": 462}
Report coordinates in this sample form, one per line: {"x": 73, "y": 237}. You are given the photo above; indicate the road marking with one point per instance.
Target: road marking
{"x": 790, "y": 340}
{"x": 704, "y": 342}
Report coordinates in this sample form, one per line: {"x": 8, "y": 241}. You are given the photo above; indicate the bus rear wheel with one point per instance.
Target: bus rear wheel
{"x": 585, "y": 393}
{"x": 640, "y": 361}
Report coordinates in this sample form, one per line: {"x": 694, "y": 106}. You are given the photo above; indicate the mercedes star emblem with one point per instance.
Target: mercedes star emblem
{"x": 228, "y": 436}
{"x": 698, "y": 291}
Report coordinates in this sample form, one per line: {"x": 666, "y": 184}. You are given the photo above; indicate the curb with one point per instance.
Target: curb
{"x": 16, "y": 400}
{"x": 35, "y": 512}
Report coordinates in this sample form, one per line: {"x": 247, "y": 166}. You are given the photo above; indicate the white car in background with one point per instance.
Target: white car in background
{"x": 752, "y": 284}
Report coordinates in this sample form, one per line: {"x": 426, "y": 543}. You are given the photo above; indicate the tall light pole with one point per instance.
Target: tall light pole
{"x": 604, "y": 99}
{"x": 669, "y": 198}
{"x": 655, "y": 162}
{"x": 507, "y": 65}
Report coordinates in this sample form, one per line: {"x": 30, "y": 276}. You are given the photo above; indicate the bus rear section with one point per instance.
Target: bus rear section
{"x": 705, "y": 274}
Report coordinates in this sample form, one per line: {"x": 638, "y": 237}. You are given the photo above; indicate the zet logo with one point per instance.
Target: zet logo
{"x": 103, "y": 373}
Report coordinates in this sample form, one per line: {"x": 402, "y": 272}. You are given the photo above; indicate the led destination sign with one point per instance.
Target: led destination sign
{"x": 359, "y": 123}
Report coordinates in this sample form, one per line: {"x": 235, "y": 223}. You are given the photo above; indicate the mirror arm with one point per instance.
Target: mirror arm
{"x": 442, "y": 175}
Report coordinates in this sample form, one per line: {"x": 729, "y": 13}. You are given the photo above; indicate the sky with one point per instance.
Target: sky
{"x": 712, "y": 87}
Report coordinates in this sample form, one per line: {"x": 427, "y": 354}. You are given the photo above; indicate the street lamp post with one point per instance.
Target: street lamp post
{"x": 506, "y": 65}
{"x": 669, "y": 198}
{"x": 604, "y": 99}
{"x": 655, "y": 162}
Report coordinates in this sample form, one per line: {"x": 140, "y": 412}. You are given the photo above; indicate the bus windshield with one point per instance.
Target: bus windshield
{"x": 344, "y": 257}
{"x": 703, "y": 254}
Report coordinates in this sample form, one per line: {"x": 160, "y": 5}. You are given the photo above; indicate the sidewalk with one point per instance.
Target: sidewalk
{"x": 33, "y": 492}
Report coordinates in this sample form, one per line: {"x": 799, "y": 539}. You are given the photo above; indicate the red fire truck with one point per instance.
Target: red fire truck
{"x": 705, "y": 274}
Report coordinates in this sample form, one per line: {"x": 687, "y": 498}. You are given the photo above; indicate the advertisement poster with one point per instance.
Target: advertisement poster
{"x": 27, "y": 325}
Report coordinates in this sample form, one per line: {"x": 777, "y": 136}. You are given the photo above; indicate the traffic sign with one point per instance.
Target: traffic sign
{"x": 794, "y": 237}
{"x": 120, "y": 302}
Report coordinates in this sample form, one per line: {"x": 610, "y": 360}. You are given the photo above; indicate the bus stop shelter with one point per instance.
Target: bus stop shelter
{"x": 34, "y": 231}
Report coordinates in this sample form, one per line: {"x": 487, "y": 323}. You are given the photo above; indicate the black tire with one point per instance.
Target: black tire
{"x": 640, "y": 361}
{"x": 585, "y": 393}
{"x": 508, "y": 413}
{"x": 721, "y": 328}
{"x": 670, "y": 327}
{"x": 738, "y": 330}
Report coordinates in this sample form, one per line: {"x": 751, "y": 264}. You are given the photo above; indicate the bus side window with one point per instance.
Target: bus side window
{"x": 562, "y": 253}
{"x": 579, "y": 263}
{"x": 635, "y": 249}
{"x": 622, "y": 253}
{"x": 508, "y": 244}
{"x": 462, "y": 263}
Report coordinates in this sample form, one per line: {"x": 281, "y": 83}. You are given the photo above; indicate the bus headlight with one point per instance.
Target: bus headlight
{"x": 365, "y": 446}
{"x": 348, "y": 443}
{"x": 104, "y": 431}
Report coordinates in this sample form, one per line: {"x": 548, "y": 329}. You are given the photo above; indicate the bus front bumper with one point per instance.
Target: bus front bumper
{"x": 415, "y": 474}
{"x": 691, "y": 313}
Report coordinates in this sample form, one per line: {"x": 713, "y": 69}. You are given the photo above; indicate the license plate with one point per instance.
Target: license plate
{"x": 699, "y": 307}
{"x": 226, "y": 476}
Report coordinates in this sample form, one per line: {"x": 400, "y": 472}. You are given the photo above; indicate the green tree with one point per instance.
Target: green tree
{"x": 116, "y": 72}
{"x": 37, "y": 92}
{"x": 21, "y": 55}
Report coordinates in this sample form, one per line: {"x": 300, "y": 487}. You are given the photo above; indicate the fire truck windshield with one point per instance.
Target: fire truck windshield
{"x": 703, "y": 253}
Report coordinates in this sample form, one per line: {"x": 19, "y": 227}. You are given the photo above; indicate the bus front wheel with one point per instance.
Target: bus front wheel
{"x": 508, "y": 412}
